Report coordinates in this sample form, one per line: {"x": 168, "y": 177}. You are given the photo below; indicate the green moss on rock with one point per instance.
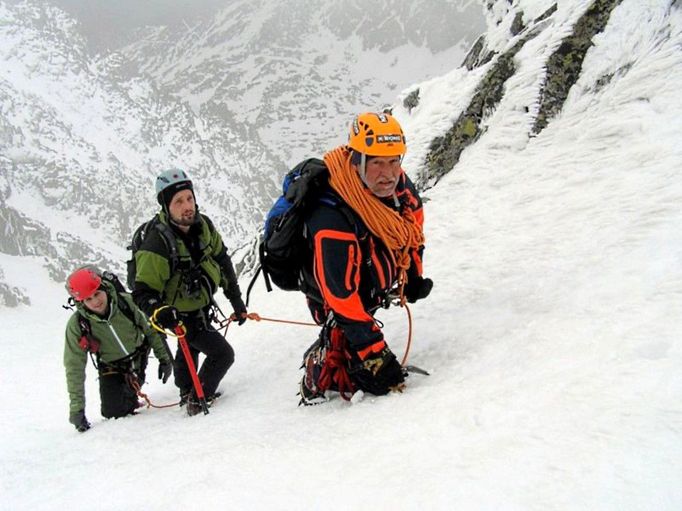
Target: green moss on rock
{"x": 565, "y": 64}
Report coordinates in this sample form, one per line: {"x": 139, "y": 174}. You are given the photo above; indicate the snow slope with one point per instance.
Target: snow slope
{"x": 552, "y": 336}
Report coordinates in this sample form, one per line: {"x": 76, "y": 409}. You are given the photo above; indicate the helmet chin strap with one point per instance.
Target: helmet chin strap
{"x": 363, "y": 168}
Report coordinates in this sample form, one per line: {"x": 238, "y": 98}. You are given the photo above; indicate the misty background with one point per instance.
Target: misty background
{"x": 99, "y": 97}
{"x": 109, "y": 25}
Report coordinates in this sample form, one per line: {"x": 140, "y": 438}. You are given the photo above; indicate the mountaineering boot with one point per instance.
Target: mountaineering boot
{"x": 312, "y": 366}
{"x": 310, "y": 397}
{"x": 184, "y": 396}
{"x": 194, "y": 406}
{"x": 210, "y": 399}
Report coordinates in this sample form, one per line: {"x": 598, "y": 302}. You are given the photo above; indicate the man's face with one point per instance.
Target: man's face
{"x": 97, "y": 303}
{"x": 182, "y": 208}
{"x": 381, "y": 175}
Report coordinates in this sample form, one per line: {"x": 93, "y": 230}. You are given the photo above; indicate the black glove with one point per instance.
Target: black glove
{"x": 239, "y": 312}
{"x": 165, "y": 371}
{"x": 378, "y": 373}
{"x": 167, "y": 317}
{"x": 78, "y": 419}
{"x": 417, "y": 288}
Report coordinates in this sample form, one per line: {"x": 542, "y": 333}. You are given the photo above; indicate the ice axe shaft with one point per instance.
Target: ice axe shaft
{"x": 180, "y": 332}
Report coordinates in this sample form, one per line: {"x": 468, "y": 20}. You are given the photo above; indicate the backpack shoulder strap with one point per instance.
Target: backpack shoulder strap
{"x": 126, "y": 309}
{"x": 260, "y": 268}
{"x": 84, "y": 325}
{"x": 332, "y": 199}
{"x": 129, "y": 312}
{"x": 211, "y": 226}
{"x": 169, "y": 240}
{"x": 86, "y": 331}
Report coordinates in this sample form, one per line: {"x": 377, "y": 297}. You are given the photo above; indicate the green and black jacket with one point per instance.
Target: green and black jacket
{"x": 203, "y": 266}
{"x": 118, "y": 336}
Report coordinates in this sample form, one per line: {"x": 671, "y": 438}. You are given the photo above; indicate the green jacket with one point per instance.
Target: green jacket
{"x": 191, "y": 286}
{"x": 118, "y": 338}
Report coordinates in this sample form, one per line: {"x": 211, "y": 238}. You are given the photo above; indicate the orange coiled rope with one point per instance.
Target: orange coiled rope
{"x": 399, "y": 232}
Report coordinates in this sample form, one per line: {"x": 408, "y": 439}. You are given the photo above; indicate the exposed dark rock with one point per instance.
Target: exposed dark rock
{"x": 21, "y": 236}
{"x": 12, "y": 296}
{"x": 478, "y": 55}
{"x": 604, "y": 80}
{"x": 564, "y": 66}
{"x": 412, "y": 100}
{"x": 546, "y": 14}
{"x": 563, "y": 70}
{"x": 471, "y": 60}
{"x": 517, "y": 25}
{"x": 445, "y": 151}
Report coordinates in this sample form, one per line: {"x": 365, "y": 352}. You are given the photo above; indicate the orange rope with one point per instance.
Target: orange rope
{"x": 409, "y": 335}
{"x": 254, "y": 316}
{"x": 398, "y": 233}
{"x": 132, "y": 381}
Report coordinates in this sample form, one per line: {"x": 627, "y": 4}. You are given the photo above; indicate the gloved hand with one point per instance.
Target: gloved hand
{"x": 417, "y": 288}
{"x": 378, "y": 373}
{"x": 165, "y": 371}
{"x": 167, "y": 317}
{"x": 79, "y": 421}
{"x": 239, "y": 312}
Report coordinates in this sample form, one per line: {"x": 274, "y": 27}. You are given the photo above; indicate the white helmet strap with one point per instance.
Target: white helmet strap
{"x": 363, "y": 168}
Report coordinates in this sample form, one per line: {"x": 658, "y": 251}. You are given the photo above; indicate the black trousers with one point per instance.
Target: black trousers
{"x": 205, "y": 339}
{"x": 117, "y": 397}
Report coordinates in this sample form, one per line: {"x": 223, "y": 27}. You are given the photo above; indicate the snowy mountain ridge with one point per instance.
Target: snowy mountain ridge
{"x": 81, "y": 139}
{"x": 552, "y": 333}
{"x": 295, "y": 71}
{"x": 80, "y": 145}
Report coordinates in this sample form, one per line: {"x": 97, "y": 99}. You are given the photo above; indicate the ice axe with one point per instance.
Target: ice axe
{"x": 180, "y": 332}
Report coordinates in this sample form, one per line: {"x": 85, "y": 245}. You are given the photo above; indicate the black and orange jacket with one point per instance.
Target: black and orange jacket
{"x": 350, "y": 271}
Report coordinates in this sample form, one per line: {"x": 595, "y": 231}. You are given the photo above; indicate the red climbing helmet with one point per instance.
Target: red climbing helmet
{"x": 83, "y": 283}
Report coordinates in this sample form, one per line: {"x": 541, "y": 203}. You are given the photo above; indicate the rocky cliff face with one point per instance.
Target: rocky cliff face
{"x": 566, "y": 34}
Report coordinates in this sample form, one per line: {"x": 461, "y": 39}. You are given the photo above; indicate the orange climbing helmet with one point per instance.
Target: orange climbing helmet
{"x": 376, "y": 134}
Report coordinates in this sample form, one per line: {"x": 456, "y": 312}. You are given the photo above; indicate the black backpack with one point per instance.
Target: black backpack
{"x": 283, "y": 246}
{"x": 140, "y": 235}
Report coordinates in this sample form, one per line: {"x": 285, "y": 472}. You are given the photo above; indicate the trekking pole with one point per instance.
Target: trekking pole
{"x": 180, "y": 333}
